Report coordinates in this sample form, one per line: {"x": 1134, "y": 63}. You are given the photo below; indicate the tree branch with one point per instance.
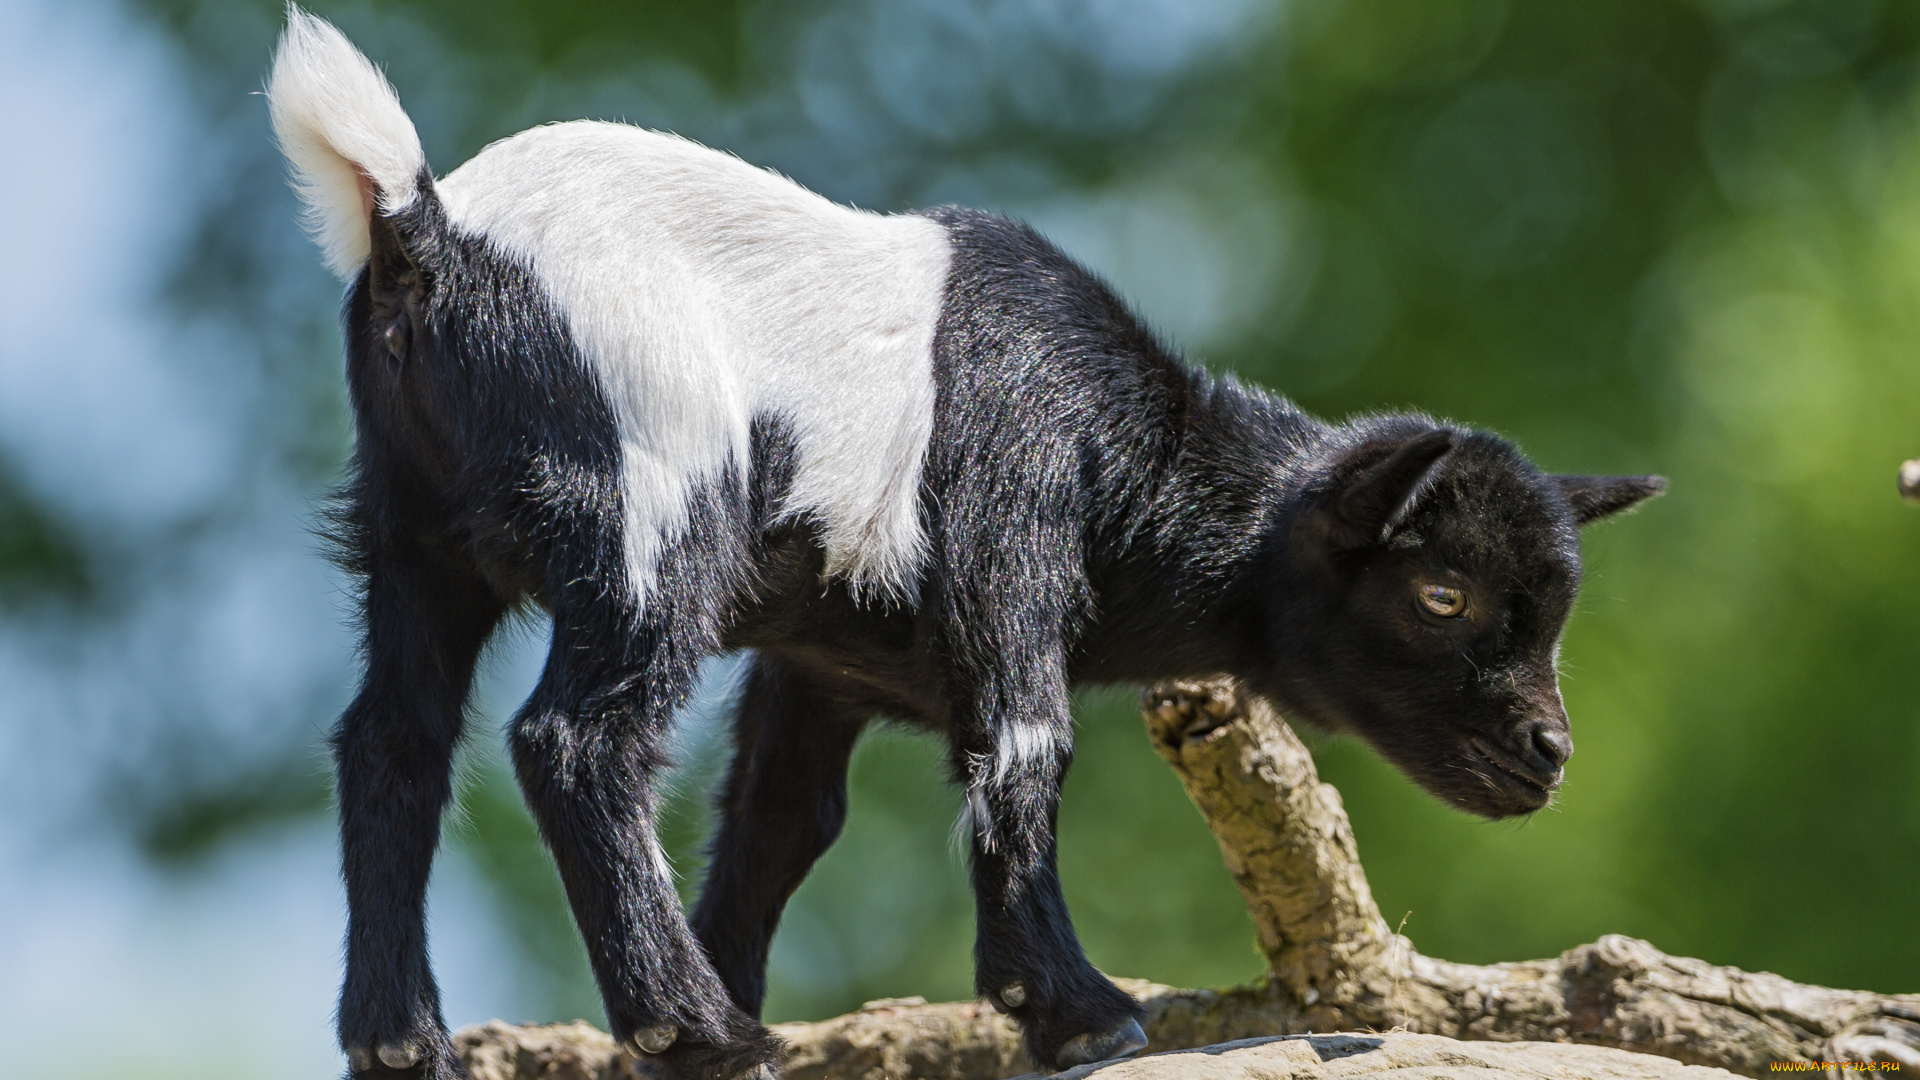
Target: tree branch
{"x": 1334, "y": 964}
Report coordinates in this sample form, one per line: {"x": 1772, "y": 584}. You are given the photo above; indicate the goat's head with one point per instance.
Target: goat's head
{"x": 1429, "y": 577}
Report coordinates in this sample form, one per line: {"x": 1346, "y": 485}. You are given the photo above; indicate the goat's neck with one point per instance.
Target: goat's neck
{"x": 1190, "y": 594}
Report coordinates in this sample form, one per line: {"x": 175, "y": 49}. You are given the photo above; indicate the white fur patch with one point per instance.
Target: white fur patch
{"x": 657, "y": 858}
{"x": 974, "y": 823}
{"x": 1021, "y": 745}
{"x": 1017, "y": 749}
{"x": 337, "y": 121}
{"x": 705, "y": 291}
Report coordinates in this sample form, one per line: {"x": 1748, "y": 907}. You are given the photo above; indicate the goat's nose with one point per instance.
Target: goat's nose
{"x": 1550, "y": 742}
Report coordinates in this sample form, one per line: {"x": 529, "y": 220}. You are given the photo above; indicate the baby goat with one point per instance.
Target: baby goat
{"x": 924, "y": 466}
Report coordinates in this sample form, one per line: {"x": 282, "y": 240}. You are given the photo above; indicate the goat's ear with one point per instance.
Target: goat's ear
{"x": 1362, "y": 509}
{"x": 1595, "y": 497}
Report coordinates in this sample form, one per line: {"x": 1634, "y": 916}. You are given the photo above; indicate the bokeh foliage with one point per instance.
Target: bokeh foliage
{"x": 1645, "y": 235}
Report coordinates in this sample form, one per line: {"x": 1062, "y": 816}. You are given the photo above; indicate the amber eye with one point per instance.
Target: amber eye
{"x": 1444, "y": 600}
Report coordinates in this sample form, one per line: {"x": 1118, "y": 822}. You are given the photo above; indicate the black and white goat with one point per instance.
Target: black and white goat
{"x": 924, "y": 466}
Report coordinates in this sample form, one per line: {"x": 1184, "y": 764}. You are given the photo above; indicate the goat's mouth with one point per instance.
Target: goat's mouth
{"x": 1506, "y": 785}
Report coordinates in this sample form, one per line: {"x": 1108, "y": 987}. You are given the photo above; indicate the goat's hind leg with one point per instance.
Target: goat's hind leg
{"x": 783, "y": 805}
{"x": 393, "y": 753}
{"x": 588, "y": 748}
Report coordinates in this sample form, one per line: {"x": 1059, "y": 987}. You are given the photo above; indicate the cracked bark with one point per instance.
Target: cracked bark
{"x": 1334, "y": 965}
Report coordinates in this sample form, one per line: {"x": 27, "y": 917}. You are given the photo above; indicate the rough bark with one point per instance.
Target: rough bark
{"x": 1334, "y": 963}
{"x": 579, "y": 1052}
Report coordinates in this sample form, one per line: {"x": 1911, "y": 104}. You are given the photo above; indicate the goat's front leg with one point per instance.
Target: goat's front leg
{"x": 588, "y": 748}
{"x": 1013, "y": 750}
{"x": 393, "y": 753}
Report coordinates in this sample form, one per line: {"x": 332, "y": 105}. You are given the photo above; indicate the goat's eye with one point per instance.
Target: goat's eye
{"x": 1443, "y": 600}
{"x": 396, "y": 338}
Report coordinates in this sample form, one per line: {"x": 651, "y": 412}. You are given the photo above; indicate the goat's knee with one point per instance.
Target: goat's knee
{"x": 1027, "y": 959}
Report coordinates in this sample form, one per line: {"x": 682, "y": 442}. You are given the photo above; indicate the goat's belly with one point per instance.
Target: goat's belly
{"x": 858, "y": 654}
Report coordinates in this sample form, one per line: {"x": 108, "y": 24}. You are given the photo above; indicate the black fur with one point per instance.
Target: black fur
{"x": 485, "y": 473}
{"x": 1096, "y": 511}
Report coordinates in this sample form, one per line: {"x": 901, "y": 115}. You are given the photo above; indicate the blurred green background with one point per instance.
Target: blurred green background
{"x": 1678, "y": 236}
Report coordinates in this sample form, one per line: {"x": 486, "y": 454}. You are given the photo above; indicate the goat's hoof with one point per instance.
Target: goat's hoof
{"x": 1125, "y": 1040}
{"x": 360, "y": 1059}
{"x": 1014, "y": 994}
{"x": 653, "y": 1040}
{"x": 404, "y": 1055}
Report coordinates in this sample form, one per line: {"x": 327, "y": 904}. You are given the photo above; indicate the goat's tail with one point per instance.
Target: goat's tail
{"x": 350, "y": 144}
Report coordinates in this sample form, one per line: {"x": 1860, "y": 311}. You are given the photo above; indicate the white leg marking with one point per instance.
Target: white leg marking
{"x": 974, "y": 823}
{"x": 657, "y": 856}
{"x": 1021, "y": 745}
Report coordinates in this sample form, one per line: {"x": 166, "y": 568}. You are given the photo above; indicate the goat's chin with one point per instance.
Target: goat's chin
{"x": 1487, "y": 792}
{"x": 1496, "y": 810}
{"x": 1463, "y": 777}
{"x": 1469, "y": 780}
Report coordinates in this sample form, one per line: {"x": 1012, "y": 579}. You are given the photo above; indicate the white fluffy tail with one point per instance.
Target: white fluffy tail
{"x": 344, "y": 133}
